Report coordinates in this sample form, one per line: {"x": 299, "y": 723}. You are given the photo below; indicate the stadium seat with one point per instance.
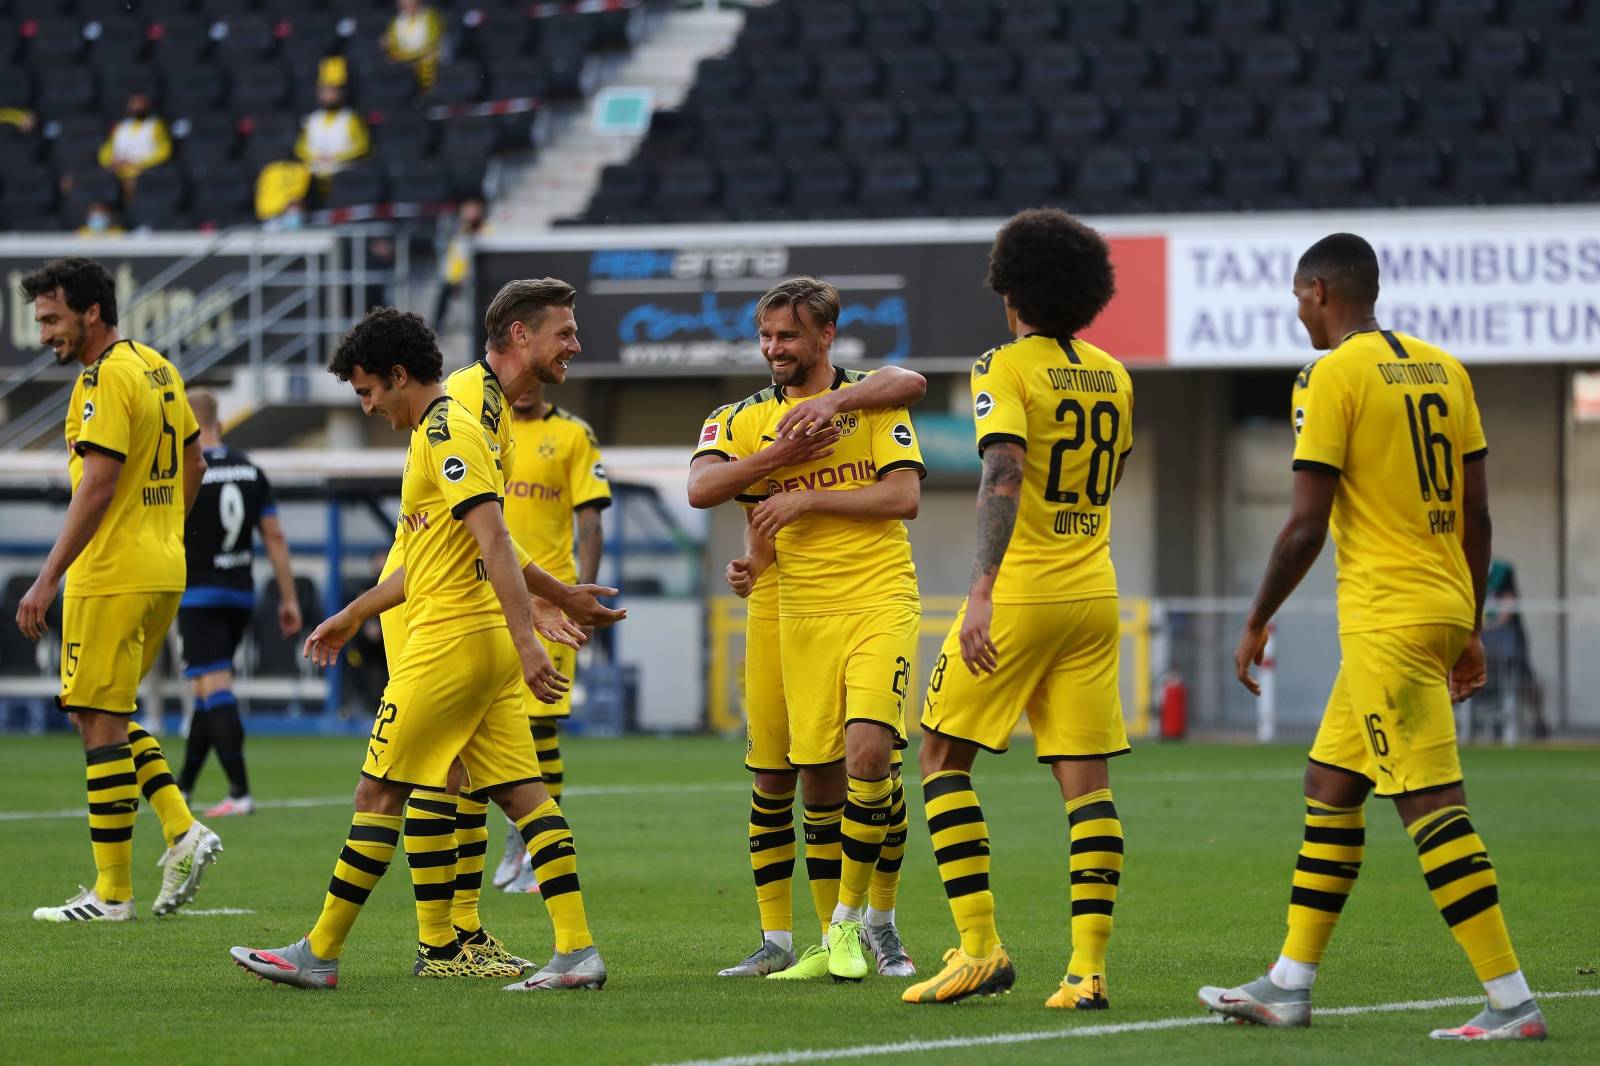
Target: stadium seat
{"x": 159, "y": 186}
{"x": 501, "y": 36}
{"x": 310, "y": 36}
{"x": 192, "y": 88}
{"x": 1344, "y": 59}
{"x": 86, "y": 186}
{"x": 417, "y": 181}
{"x": 1121, "y": 66}
{"x": 66, "y": 91}
{"x": 402, "y": 135}
{"x": 564, "y": 34}
{"x": 1150, "y": 119}
{"x": 1002, "y": 121}
{"x": 622, "y": 186}
{"x": 1181, "y": 177}
{"x": 892, "y": 24}
{"x": 181, "y": 41}
{"x": 1052, "y": 69}
{"x": 1332, "y": 175}
{"x": 30, "y": 201}
{"x": 1163, "y": 20}
{"x": 1459, "y": 15}
{"x": 1078, "y": 120}
{"x": 1375, "y": 112}
{"x": 1027, "y": 176}
{"x": 869, "y": 125}
{"x": 1270, "y": 62}
{"x": 935, "y": 123}
{"x": 915, "y": 71}
{"x": 19, "y": 149}
{"x": 685, "y": 184}
{"x": 1243, "y": 20}
{"x": 783, "y": 77}
{"x": 513, "y": 79}
{"x": 1196, "y": 64}
{"x": 57, "y": 40}
{"x": 960, "y": 182}
{"x": 1532, "y": 107}
{"x": 730, "y": 129}
{"x": 274, "y": 654}
{"x": 802, "y": 124}
{"x": 78, "y": 140}
{"x": 269, "y": 138}
{"x": 1563, "y": 169}
{"x": 892, "y": 179}
{"x": 828, "y": 24}
{"x": 1572, "y": 54}
{"x": 16, "y": 85}
{"x": 1537, "y": 14}
{"x": 1410, "y": 173}
{"x": 718, "y": 80}
{"x": 848, "y": 74}
{"x": 963, "y": 22}
{"x": 766, "y": 29}
{"x": 1106, "y": 182}
{"x": 1487, "y": 170}
{"x": 1315, "y": 18}
{"x": 259, "y": 88}
{"x": 1256, "y": 176}
{"x": 752, "y": 185}
{"x": 1301, "y": 117}
{"x": 158, "y": 215}
{"x": 1389, "y": 15}
{"x": 118, "y": 81}
{"x": 1094, "y": 21}
{"x": 1226, "y": 117}
{"x": 1419, "y": 58}
{"x": 1024, "y": 23}
{"x": 1497, "y": 55}
{"x": 460, "y": 82}
{"x": 384, "y": 87}
{"x": 245, "y": 38}
{"x": 982, "y": 69}
{"x": 820, "y": 181}
{"x": 1450, "y": 109}
{"x": 359, "y": 185}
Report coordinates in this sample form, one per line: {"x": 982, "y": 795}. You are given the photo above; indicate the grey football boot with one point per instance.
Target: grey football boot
{"x": 1261, "y": 1002}
{"x": 768, "y": 958}
{"x": 293, "y": 965}
{"x": 573, "y": 969}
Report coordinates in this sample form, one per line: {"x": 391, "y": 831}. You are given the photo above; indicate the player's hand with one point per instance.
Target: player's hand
{"x": 740, "y": 576}
{"x": 540, "y": 675}
{"x": 581, "y": 603}
{"x": 804, "y": 448}
{"x": 35, "y": 603}
{"x": 552, "y": 625}
{"x": 289, "y": 620}
{"x": 977, "y": 650}
{"x": 322, "y": 647}
{"x": 1470, "y": 673}
{"x": 777, "y": 511}
{"x": 811, "y": 416}
{"x": 1252, "y": 648}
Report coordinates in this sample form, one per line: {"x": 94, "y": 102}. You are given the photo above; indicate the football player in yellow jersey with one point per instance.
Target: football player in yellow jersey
{"x": 458, "y": 689}
{"x": 848, "y": 605}
{"x": 1039, "y": 630}
{"x": 135, "y": 463}
{"x": 1389, "y": 455}
{"x": 554, "y": 478}
{"x": 805, "y": 432}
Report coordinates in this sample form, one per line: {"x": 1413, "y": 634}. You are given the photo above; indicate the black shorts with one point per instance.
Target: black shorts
{"x": 210, "y": 637}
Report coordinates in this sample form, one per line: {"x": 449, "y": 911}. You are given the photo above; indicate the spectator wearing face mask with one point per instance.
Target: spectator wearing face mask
{"x": 137, "y": 143}
{"x": 99, "y": 221}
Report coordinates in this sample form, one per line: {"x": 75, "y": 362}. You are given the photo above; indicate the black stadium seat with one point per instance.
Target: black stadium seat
{"x": 1563, "y": 169}
{"x": 1026, "y": 176}
{"x": 935, "y": 123}
{"x": 358, "y": 185}
{"x": 1332, "y": 175}
{"x": 868, "y": 125}
{"x": 1227, "y": 117}
{"x": 752, "y": 185}
{"x": 1375, "y": 112}
{"x": 1410, "y": 173}
{"x": 960, "y": 181}
{"x": 1027, "y": 22}
{"x": 1532, "y": 107}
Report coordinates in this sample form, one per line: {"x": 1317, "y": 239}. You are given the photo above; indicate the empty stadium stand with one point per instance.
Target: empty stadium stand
{"x": 892, "y": 108}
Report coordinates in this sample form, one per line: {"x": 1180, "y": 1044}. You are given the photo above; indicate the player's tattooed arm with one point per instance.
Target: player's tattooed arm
{"x": 1297, "y": 547}
{"x": 886, "y": 387}
{"x": 998, "y": 495}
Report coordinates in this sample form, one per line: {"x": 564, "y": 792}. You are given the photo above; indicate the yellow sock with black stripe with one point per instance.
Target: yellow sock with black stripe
{"x": 885, "y": 885}
{"x": 1465, "y": 889}
{"x": 823, "y": 850}
{"x": 157, "y": 784}
{"x": 472, "y": 842}
{"x": 361, "y": 865}
{"x": 431, "y": 854}
{"x": 555, "y": 864}
{"x": 1324, "y": 874}
{"x": 772, "y": 857}
{"x": 961, "y": 848}
{"x": 547, "y": 745}
{"x": 1095, "y": 870}
{"x": 861, "y": 833}
{"x": 113, "y": 802}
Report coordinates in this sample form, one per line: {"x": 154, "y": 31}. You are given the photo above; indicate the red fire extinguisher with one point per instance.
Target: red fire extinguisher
{"x": 1174, "y": 707}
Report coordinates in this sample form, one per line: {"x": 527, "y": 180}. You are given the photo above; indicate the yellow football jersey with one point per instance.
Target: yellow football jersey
{"x": 131, "y": 404}
{"x": 556, "y": 470}
{"x": 828, "y": 564}
{"x": 762, "y": 603}
{"x": 1395, "y": 418}
{"x": 451, "y": 467}
{"x": 1070, "y": 406}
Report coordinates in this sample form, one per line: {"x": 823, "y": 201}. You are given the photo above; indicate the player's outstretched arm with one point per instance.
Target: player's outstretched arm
{"x": 90, "y": 499}
{"x": 887, "y": 387}
{"x": 1470, "y": 672}
{"x": 897, "y": 495}
{"x": 714, "y": 480}
{"x": 322, "y": 647}
{"x": 488, "y": 528}
{"x": 998, "y": 493}
{"x": 1298, "y": 545}
{"x": 194, "y": 472}
{"x": 289, "y": 619}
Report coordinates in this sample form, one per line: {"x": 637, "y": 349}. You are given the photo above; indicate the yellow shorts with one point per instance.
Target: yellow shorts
{"x": 1058, "y": 662}
{"x": 766, "y": 715}
{"x": 565, "y": 659}
{"x": 459, "y": 697}
{"x": 108, "y": 644}
{"x": 1389, "y": 717}
{"x": 844, "y": 668}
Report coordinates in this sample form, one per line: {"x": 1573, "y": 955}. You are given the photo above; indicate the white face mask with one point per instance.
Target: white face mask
{"x": 98, "y": 221}
{"x": 293, "y": 218}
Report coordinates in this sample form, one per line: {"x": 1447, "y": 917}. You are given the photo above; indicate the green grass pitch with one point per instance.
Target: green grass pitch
{"x": 1212, "y": 833}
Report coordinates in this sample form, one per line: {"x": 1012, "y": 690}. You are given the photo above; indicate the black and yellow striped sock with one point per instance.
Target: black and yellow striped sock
{"x": 960, "y": 842}
{"x": 824, "y": 847}
{"x": 865, "y": 824}
{"x": 555, "y": 864}
{"x": 1324, "y": 874}
{"x": 431, "y": 854}
{"x": 113, "y": 802}
{"x": 472, "y": 842}
{"x": 772, "y": 857}
{"x": 1465, "y": 889}
{"x": 885, "y": 885}
{"x": 361, "y": 864}
{"x": 155, "y": 781}
{"x": 547, "y": 745}
{"x": 1095, "y": 870}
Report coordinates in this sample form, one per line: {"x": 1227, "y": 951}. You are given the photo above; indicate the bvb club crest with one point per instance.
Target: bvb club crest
{"x": 847, "y": 422}
{"x": 547, "y": 448}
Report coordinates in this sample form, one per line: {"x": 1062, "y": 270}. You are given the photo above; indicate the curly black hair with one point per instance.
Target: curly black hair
{"x": 1055, "y": 271}
{"x": 385, "y": 338}
{"x": 1346, "y": 264}
{"x": 83, "y": 283}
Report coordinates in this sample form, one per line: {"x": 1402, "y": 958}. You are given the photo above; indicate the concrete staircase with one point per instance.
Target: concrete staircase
{"x": 559, "y": 182}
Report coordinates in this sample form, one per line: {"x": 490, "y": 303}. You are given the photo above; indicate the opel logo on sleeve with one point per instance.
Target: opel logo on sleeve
{"x": 982, "y": 404}
{"x": 454, "y": 469}
{"x": 901, "y": 434}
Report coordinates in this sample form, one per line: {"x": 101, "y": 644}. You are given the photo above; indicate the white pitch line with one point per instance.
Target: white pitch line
{"x": 214, "y": 912}
{"x": 781, "y": 1058}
